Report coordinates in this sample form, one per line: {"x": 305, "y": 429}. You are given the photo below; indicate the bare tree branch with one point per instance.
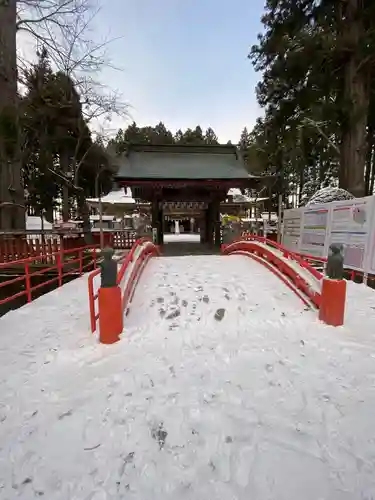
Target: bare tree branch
{"x": 63, "y": 28}
{"x": 318, "y": 127}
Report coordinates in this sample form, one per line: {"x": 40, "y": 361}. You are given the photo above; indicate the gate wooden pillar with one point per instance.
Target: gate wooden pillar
{"x": 161, "y": 224}
{"x": 157, "y": 219}
{"x": 216, "y": 222}
{"x": 209, "y": 233}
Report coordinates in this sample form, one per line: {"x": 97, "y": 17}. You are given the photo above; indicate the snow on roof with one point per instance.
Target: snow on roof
{"x": 35, "y": 223}
{"x": 251, "y": 219}
{"x": 234, "y": 192}
{"x": 238, "y": 196}
{"x": 115, "y": 197}
{"x": 265, "y": 216}
{"x": 104, "y": 217}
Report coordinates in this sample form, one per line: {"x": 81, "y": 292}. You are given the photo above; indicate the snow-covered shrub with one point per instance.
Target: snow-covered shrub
{"x": 328, "y": 194}
{"x": 308, "y": 190}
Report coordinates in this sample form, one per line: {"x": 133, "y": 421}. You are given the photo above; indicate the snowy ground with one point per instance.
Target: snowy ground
{"x": 223, "y": 387}
{"x": 182, "y": 238}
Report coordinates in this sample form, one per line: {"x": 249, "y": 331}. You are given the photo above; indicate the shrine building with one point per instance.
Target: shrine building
{"x": 185, "y": 182}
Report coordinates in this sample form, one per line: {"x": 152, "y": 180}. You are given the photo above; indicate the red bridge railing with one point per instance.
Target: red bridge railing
{"x": 313, "y": 261}
{"x": 298, "y": 258}
{"x": 127, "y": 278}
{"x": 296, "y": 273}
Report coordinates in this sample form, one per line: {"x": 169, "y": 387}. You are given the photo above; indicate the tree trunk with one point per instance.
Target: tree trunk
{"x": 84, "y": 214}
{"x": 64, "y": 165}
{"x": 356, "y": 101}
{"x": 372, "y": 176}
{"x": 301, "y": 183}
{"x": 12, "y": 199}
{"x": 370, "y": 148}
{"x": 322, "y": 171}
{"x": 49, "y": 214}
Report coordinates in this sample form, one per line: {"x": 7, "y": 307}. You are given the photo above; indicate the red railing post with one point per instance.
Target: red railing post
{"x": 28, "y": 282}
{"x": 80, "y": 253}
{"x": 90, "y": 284}
{"x": 332, "y": 302}
{"x": 59, "y": 266}
{"x": 110, "y": 314}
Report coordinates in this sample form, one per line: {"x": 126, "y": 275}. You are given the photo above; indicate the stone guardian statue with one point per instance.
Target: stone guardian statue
{"x": 335, "y": 262}
{"x": 108, "y": 269}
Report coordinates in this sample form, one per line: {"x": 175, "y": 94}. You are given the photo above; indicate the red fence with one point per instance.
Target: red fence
{"x": 142, "y": 250}
{"x": 64, "y": 263}
{"x": 24, "y": 245}
{"x": 21, "y": 245}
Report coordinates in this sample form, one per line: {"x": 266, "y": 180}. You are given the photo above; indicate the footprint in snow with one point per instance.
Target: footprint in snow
{"x": 159, "y": 434}
{"x": 174, "y": 314}
{"x": 219, "y": 315}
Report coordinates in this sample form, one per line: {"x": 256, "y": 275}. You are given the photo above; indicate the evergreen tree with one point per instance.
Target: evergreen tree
{"x": 316, "y": 59}
{"x": 210, "y": 137}
{"x": 60, "y": 161}
{"x": 245, "y": 140}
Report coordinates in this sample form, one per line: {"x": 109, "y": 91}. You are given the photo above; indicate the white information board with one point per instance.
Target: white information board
{"x": 371, "y": 252}
{"x": 351, "y": 224}
{"x": 292, "y": 229}
{"x": 315, "y": 226}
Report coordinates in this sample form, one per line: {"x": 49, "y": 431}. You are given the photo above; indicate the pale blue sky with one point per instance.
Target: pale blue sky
{"x": 185, "y": 62}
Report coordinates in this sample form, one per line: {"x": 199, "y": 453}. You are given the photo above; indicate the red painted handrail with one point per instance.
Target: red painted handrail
{"x": 276, "y": 272}
{"x": 129, "y": 258}
{"x": 55, "y": 261}
{"x": 286, "y": 253}
{"x": 282, "y": 264}
{"x": 146, "y": 252}
{"x": 307, "y": 258}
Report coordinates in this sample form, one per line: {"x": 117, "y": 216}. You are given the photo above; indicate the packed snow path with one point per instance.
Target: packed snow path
{"x": 223, "y": 387}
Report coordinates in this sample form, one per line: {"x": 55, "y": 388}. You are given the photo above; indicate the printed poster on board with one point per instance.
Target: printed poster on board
{"x": 351, "y": 226}
{"x": 314, "y": 232}
{"x": 292, "y": 229}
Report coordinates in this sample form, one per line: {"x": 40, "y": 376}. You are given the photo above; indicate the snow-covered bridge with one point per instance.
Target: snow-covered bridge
{"x": 224, "y": 385}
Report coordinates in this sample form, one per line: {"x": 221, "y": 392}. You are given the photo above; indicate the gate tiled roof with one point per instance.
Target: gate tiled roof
{"x": 182, "y": 163}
